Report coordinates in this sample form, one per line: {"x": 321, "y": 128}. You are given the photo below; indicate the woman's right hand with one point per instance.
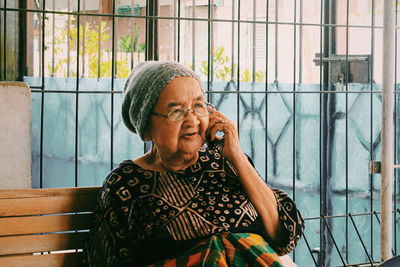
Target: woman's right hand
{"x": 218, "y": 122}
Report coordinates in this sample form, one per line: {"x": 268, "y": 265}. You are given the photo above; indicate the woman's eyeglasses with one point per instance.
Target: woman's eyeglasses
{"x": 178, "y": 114}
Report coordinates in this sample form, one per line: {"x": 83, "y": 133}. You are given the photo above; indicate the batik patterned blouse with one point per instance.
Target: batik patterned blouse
{"x": 144, "y": 216}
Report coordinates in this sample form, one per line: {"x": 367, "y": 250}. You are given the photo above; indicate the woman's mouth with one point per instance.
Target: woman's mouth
{"x": 189, "y": 135}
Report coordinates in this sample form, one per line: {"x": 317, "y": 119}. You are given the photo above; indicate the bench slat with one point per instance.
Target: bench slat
{"x": 47, "y": 205}
{"x": 48, "y": 192}
{"x": 44, "y": 224}
{"x": 40, "y": 243}
{"x": 65, "y": 260}
{"x": 21, "y": 236}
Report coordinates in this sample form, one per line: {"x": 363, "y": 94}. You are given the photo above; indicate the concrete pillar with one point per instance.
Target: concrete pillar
{"x": 15, "y": 135}
{"x": 387, "y": 129}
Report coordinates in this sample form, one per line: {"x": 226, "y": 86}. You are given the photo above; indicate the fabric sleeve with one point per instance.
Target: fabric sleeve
{"x": 291, "y": 220}
{"x": 109, "y": 241}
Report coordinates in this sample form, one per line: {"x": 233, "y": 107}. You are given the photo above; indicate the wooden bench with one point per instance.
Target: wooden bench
{"x": 34, "y": 222}
{"x": 48, "y": 227}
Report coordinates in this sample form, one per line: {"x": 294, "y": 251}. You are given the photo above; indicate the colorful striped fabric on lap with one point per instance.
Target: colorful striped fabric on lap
{"x": 227, "y": 249}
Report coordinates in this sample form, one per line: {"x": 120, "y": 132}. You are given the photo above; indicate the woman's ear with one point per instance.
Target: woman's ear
{"x": 146, "y": 135}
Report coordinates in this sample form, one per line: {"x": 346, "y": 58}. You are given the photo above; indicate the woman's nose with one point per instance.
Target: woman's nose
{"x": 191, "y": 117}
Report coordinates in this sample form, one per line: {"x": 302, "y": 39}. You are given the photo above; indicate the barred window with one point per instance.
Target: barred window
{"x": 302, "y": 79}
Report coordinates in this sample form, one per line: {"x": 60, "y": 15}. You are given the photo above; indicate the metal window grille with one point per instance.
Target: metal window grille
{"x": 304, "y": 90}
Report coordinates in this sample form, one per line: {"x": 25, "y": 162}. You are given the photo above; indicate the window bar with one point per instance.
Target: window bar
{"x": 151, "y": 42}
{"x": 371, "y": 145}
{"x": 359, "y": 237}
{"x": 178, "y": 40}
{"x": 77, "y": 95}
{"x": 114, "y": 46}
{"x": 346, "y": 215}
{"x": 208, "y": 45}
{"x": 68, "y": 36}
{"x": 324, "y": 117}
{"x": 396, "y": 177}
{"x": 331, "y": 108}
{"x": 99, "y": 43}
{"x": 346, "y": 83}
{"x": 40, "y": 43}
{"x": 276, "y": 40}
{"x": 253, "y": 79}
{"x": 194, "y": 36}
{"x": 5, "y": 41}
{"x": 238, "y": 71}
{"x": 133, "y": 28}
{"x": 333, "y": 239}
{"x": 176, "y": 12}
{"x": 155, "y": 32}
{"x": 36, "y": 88}
{"x": 22, "y": 32}
{"x": 83, "y": 41}
{"x": 42, "y": 96}
{"x": 322, "y": 32}
{"x": 301, "y": 42}
{"x": 211, "y": 10}
{"x": 294, "y": 124}
{"x": 294, "y": 150}
{"x": 53, "y": 29}
{"x": 233, "y": 42}
{"x": 147, "y": 37}
{"x": 113, "y": 76}
{"x": 309, "y": 250}
{"x": 266, "y": 88}
{"x": 89, "y": 14}
{"x": 14, "y": 68}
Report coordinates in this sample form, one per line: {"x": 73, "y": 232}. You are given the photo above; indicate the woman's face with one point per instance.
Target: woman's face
{"x": 180, "y": 139}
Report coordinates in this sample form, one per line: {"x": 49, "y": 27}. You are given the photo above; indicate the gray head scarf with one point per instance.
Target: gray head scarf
{"x": 144, "y": 85}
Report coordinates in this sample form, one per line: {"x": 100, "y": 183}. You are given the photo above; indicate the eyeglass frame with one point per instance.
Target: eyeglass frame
{"x": 185, "y": 114}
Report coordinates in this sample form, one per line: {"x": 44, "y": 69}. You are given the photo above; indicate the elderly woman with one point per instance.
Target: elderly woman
{"x": 186, "y": 202}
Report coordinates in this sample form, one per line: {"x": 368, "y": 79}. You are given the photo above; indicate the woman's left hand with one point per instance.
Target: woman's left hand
{"x": 219, "y": 122}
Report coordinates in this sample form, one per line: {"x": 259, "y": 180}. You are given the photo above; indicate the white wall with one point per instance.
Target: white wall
{"x": 15, "y": 135}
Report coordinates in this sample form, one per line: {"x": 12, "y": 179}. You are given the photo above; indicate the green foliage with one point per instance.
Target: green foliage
{"x": 260, "y": 76}
{"x": 221, "y": 65}
{"x": 222, "y": 68}
{"x": 91, "y": 36}
{"x": 125, "y": 43}
{"x": 123, "y": 69}
{"x": 245, "y": 76}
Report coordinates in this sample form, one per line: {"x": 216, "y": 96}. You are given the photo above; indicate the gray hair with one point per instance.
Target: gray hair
{"x": 143, "y": 87}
